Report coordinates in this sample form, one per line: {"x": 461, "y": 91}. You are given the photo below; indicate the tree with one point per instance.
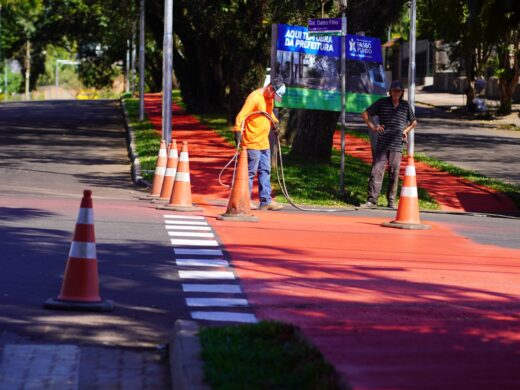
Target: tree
{"x": 480, "y": 31}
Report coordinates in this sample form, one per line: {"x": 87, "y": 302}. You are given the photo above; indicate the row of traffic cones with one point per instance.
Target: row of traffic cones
{"x": 171, "y": 180}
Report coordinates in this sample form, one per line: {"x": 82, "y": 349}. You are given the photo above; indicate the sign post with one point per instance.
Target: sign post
{"x": 336, "y": 26}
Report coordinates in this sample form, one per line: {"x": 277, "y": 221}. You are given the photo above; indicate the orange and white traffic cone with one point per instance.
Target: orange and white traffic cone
{"x": 160, "y": 170}
{"x": 239, "y": 205}
{"x": 171, "y": 171}
{"x": 408, "y": 209}
{"x": 180, "y": 199}
{"x": 80, "y": 288}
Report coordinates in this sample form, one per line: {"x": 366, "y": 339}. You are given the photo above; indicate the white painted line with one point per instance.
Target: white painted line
{"x": 187, "y": 242}
{"x": 224, "y": 316}
{"x": 191, "y": 223}
{"x": 198, "y": 252}
{"x": 216, "y": 302}
{"x": 174, "y": 216}
{"x": 212, "y": 288}
{"x": 206, "y": 275}
{"x": 191, "y": 234}
{"x": 202, "y": 263}
{"x": 186, "y": 227}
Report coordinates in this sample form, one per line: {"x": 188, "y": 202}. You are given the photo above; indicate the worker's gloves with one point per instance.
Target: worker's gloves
{"x": 276, "y": 128}
{"x": 238, "y": 137}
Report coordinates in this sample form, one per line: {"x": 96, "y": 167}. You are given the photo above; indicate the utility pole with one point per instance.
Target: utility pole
{"x": 411, "y": 75}
{"x": 343, "y": 7}
{"x": 141, "y": 60}
{"x": 167, "y": 71}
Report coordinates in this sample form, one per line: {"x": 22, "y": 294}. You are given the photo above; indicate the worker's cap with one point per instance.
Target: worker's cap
{"x": 397, "y": 85}
{"x": 279, "y": 89}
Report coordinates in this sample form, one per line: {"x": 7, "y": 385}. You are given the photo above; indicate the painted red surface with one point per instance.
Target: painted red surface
{"x": 390, "y": 308}
{"x": 452, "y": 193}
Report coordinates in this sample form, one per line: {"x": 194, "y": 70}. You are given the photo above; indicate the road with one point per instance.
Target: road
{"x": 50, "y": 152}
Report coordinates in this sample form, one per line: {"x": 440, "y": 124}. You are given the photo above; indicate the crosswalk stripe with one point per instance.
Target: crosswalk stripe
{"x": 212, "y": 288}
{"x": 202, "y": 263}
{"x": 190, "y": 223}
{"x": 206, "y": 275}
{"x": 173, "y": 216}
{"x": 216, "y": 302}
{"x": 187, "y": 242}
{"x": 198, "y": 252}
{"x": 187, "y": 227}
{"x": 191, "y": 234}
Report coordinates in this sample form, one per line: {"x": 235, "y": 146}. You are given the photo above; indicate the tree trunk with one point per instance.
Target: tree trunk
{"x": 315, "y": 131}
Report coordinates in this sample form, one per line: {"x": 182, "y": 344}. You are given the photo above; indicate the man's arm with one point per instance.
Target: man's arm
{"x": 371, "y": 125}
{"x": 408, "y": 129}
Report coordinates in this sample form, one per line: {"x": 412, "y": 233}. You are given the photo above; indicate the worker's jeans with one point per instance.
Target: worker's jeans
{"x": 393, "y": 158}
{"x": 260, "y": 161}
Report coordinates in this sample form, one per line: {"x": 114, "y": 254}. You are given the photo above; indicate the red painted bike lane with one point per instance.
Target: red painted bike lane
{"x": 391, "y": 309}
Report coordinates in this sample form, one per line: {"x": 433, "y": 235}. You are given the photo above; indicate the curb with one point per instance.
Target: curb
{"x": 186, "y": 367}
{"x": 137, "y": 177}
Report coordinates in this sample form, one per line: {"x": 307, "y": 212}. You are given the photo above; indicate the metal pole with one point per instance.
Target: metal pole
{"x": 343, "y": 93}
{"x": 127, "y": 67}
{"x": 167, "y": 54}
{"x": 132, "y": 62}
{"x": 56, "y": 79}
{"x": 411, "y": 75}
{"x": 141, "y": 60}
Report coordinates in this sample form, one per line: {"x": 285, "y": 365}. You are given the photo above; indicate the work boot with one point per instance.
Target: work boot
{"x": 253, "y": 205}
{"x": 368, "y": 205}
{"x": 391, "y": 204}
{"x": 273, "y": 206}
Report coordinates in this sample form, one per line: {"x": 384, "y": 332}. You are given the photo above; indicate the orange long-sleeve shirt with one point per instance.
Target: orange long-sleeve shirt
{"x": 257, "y": 127}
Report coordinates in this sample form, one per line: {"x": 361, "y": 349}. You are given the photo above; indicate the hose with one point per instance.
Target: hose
{"x": 280, "y": 176}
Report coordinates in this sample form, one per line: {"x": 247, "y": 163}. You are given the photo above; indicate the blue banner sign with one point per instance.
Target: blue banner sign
{"x": 297, "y": 39}
{"x": 363, "y": 48}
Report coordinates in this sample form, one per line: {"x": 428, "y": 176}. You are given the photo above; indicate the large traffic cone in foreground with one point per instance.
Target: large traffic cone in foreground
{"x": 180, "y": 199}
{"x": 80, "y": 288}
{"x": 408, "y": 210}
{"x": 160, "y": 170}
{"x": 171, "y": 171}
{"x": 239, "y": 205}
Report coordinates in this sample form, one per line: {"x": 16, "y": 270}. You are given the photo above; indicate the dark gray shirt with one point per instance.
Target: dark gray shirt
{"x": 394, "y": 119}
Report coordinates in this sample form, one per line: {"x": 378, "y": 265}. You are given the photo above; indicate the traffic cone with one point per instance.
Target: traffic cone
{"x": 80, "y": 288}
{"x": 180, "y": 199}
{"x": 408, "y": 209}
{"x": 239, "y": 205}
{"x": 160, "y": 170}
{"x": 171, "y": 171}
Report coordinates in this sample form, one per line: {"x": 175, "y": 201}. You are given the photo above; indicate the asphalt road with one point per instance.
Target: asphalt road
{"x": 50, "y": 152}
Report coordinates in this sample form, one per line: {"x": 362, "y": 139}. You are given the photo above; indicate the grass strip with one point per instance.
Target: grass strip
{"x": 267, "y": 355}
{"x": 313, "y": 182}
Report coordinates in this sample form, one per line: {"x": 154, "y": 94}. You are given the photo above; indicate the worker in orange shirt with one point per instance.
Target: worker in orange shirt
{"x": 255, "y": 138}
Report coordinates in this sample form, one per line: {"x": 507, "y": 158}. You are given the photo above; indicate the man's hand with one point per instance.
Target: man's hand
{"x": 405, "y": 138}
{"x": 238, "y": 137}
{"x": 380, "y": 129}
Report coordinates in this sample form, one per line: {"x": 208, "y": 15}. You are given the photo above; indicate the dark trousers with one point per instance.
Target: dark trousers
{"x": 382, "y": 157}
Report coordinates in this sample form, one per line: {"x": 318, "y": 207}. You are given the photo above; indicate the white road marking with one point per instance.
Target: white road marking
{"x": 186, "y": 227}
{"x": 173, "y": 216}
{"x": 216, "y": 302}
{"x": 186, "y": 242}
{"x": 202, "y": 263}
{"x": 191, "y": 223}
{"x": 206, "y": 275}
{"x": 212, "y": 288}
{"x": 191, "y": 234}
{"x": 198, "y": 252}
